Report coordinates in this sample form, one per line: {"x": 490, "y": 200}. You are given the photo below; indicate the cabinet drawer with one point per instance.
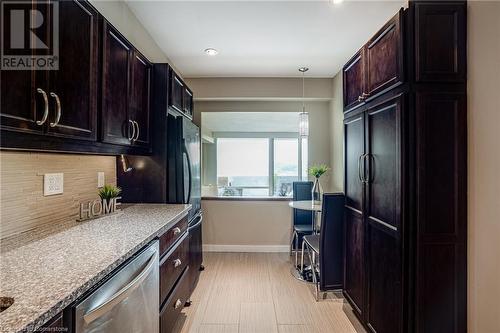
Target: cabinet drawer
{"x": 175, "y": 303}
{"x": 172, "y": 235}
{"x": 172, "y": 266}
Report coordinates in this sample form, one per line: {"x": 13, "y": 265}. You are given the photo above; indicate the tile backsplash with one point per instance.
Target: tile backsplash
{"x": 22, "y": 204}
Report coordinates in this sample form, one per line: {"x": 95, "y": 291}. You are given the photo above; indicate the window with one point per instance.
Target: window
{"x": 286, "y": 166}
{"x": 243, "y": 166}
{"x": 260, "y": 166}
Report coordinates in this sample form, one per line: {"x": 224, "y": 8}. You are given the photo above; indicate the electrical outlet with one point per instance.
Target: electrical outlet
{"x": 53, "y": 183}
{"x": 100, "y": 179}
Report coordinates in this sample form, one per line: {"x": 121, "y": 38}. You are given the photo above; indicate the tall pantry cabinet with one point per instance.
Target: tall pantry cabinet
{"x": 405, "y": 135}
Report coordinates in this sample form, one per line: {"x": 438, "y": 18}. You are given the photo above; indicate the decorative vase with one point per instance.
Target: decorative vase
{"x": 317, "y": 192}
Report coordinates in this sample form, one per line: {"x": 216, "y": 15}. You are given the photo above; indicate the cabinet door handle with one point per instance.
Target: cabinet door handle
{"x": 45, "y": 109}
{"x": 361, "y": 178}
{"x": 137, "y": 135}
{"x": 371, "y": 162}
{"x": 131, "y": 138}
{"x": 176, "y": 231}
{"x": 177, "y": 304}
{"x": 177, "y": 263}
{"x": 360, "y": 98}
{"x": 58, "y": 110}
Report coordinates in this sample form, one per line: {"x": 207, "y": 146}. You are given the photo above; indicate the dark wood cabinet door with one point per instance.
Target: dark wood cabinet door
{"x": 23, "y": 102}
{"x": 354, "y": 145}
{"x": 140, "y": 98}
{"x": 384, "y": 288}
{"x": 440, "y": 41}
{"x": 73, "y": 88}
{"x": 188, "y": 102}
{"x": 24, "y": 92}
{"x": 383, "y": 159}
{"x": 176, "y": 95}
{"x": 441, "y": 211}
{"x": 383, "y": 215}
{"x": 384, "y": 57}
{"x": 354, "y": 80}
{"x": 117, "y": 127}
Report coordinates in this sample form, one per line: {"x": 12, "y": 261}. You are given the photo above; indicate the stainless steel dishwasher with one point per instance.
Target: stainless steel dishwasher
{"x": 127, "y": 302}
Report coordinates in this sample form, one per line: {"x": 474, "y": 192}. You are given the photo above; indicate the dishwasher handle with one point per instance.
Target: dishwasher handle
{"x": 121, "y": 294}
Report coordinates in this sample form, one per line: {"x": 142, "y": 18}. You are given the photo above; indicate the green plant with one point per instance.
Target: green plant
{"x": 109, "y": 192}
{"x": 318, "y": 170}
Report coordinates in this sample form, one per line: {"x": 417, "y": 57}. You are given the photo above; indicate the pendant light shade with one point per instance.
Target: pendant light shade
{"x": 303, "y": 115}
{"x": 303, "y": 123}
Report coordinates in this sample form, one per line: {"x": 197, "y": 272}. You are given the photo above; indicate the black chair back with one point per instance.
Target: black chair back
{"x": 331, "y": 239}
{"x": 302, "y": 191}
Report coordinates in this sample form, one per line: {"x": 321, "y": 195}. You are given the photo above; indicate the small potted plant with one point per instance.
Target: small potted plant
{"x": 107, "y": 193}
{"x": 317, "y": 171}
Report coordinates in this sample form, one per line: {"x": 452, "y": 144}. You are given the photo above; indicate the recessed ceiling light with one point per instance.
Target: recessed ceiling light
{"x": 211, "y": 52}
{"x": 336, "y": 2}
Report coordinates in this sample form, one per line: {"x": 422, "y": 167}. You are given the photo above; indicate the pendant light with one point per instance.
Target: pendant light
{"x": 303, "y": 115}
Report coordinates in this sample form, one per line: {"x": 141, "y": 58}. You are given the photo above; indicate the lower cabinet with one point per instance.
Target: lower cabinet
{"x": 175, "y": 303}
{"x": 172, "y": 265}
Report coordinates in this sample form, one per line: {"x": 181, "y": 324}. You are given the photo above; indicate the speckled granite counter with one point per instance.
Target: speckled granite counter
{"x": 47, "y": 271}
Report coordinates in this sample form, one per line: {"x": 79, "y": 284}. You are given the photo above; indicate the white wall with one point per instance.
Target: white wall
{"x": 483, "y": 167}
{"x": 122, "y": 18}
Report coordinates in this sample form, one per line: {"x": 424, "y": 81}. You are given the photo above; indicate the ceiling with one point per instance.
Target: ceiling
{"x": 250, "y": 121}
{"x": 261, "y": 38}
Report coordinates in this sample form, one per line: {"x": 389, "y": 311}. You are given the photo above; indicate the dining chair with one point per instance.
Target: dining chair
{"x": 325, "y": 249}
{"x": 301, "y": 219}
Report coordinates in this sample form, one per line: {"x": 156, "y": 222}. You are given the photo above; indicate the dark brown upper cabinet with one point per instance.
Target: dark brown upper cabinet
{"x": 73, "y": 88}
{"x": 377, "y": 67}
{"x": 440, "y": 38}
{"x": 354, "y": 80}
{"x": 176, "y": 95}
{"x": 117, "y": 127}
{"x": 24, "y": 93}
{"x": 188, "y": 102}
{"x": 140, "y": 97}
{"x": 126, "y": 92}
{"x": 58, "y": 102}
{"x": 180, "y": 96}
{"x": 384, "y": 57}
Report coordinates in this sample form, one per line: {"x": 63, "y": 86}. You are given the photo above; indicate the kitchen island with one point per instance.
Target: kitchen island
{"x": 44, "y": 271}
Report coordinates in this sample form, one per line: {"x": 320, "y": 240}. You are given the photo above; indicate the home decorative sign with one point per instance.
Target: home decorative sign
{"x": 100, "y": 207}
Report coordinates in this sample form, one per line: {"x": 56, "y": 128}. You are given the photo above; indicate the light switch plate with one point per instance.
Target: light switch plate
{"x": 53, "y": 183}
{"x": 100, "y": 179}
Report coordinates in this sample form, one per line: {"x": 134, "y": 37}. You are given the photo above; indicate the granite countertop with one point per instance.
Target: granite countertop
{"x": 47, "y": 271}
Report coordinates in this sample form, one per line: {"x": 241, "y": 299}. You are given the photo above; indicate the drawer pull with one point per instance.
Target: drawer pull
{"x": 177, "y": 304}
{"x": 177, "y": 231}
{"x": 177, "y": 262}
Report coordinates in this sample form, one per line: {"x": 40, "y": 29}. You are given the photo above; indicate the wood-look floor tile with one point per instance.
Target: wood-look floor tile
{"x": 257, "y": 318}
{"x": 255, "y": 292}
{"x": 218, "y": 328}
{"x": 296, "y": 329}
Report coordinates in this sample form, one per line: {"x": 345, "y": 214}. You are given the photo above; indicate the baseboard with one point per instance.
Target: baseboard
{"x": 245, "y": 248}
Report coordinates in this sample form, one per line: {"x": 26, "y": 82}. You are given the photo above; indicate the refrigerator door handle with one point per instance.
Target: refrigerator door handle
{"x": 190, "y": 174}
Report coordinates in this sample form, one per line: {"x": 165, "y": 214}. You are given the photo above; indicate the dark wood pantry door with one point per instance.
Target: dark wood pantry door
{"x": 383, "y": 216}
{"x": 354, "y": 80}
{"x": 354, "y": 211}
